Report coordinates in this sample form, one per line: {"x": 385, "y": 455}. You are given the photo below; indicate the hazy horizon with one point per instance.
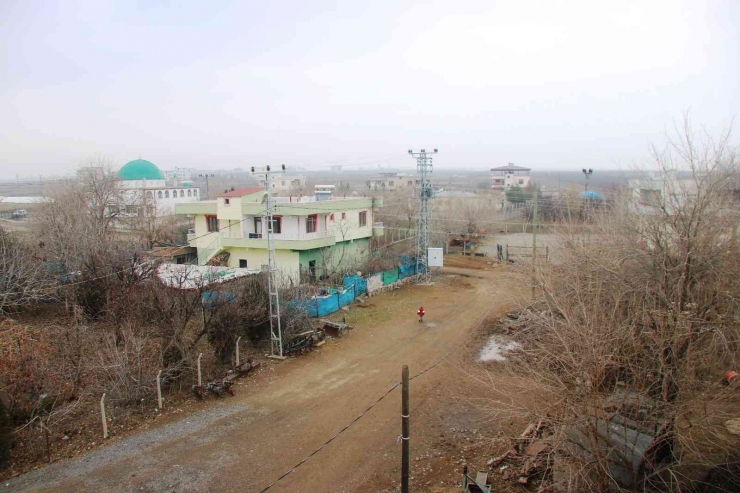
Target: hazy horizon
{"x": 554, "y": 87}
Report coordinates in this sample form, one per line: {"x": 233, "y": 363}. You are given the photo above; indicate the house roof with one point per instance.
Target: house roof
{"x": 241, "y": 192}
{"x": 511, "y": 167}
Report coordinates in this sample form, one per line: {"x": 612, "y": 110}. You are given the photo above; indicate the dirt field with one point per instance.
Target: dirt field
{"x": 289, "y": 408}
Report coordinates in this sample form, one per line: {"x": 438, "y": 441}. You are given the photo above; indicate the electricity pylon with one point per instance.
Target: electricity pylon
{"x": 276, "y": 333}
{"x": 423, "y": 223}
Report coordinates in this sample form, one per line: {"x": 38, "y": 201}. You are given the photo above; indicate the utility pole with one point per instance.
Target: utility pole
{"x": 587, "y": 173}
{"x": 276, "y": 332}
{"x": 206, "y": 176}
{"x": 535, "y": 223}
{"x": 426, "y": 192}
{"x": 405, "y": 430}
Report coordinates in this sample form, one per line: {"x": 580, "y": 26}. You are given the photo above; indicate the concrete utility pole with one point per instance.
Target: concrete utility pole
{"x": 535, "y": 223}
{"x": 208, "y": 191}
{"x": 426, "y": 192}
{"x": 405, "y": 429}
{"x": 276, "y": 332}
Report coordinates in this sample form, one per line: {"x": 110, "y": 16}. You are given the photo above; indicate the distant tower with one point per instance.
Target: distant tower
{"x": 425, "y": 192}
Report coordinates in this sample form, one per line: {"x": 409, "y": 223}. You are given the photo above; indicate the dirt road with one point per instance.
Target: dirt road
{"x": 244, "y": 443}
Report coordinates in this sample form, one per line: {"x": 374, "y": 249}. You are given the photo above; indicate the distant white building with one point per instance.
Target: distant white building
{"x": 654, "y": 191}
{"x": 392, "y": 181}
{"x": 181, "y": 174}
{"x": 281, "y": 183}
{"x": 144, "y": 183}
{"x": 506, "y": 177}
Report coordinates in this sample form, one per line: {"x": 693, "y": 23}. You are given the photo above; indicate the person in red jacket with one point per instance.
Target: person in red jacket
{"x": 421, "y": 314}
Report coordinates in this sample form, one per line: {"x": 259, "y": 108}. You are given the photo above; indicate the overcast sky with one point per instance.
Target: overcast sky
{"x": 546, "y": 84}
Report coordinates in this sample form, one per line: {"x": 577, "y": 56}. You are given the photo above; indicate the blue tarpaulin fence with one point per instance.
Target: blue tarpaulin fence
{"x": 352, "y": 287}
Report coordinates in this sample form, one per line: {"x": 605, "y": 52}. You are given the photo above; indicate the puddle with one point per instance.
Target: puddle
{"x": 495, "y": 349}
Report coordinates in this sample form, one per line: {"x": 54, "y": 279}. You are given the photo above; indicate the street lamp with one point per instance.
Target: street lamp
{"x": 587, "y": 173}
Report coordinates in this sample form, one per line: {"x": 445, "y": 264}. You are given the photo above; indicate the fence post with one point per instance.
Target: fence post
{"x": 159, "y": 389}
{"x": 238, "y": 340}
{"x": 102, "y": 413}
{"x": 200, "y": 380}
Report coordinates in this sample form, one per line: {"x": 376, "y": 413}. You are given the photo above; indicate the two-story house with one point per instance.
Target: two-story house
{"x": 506, "y": 177}
{"x": 312, "y": 237}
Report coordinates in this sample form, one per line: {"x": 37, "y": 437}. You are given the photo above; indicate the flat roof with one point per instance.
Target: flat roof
{"x": 511, "y": 167}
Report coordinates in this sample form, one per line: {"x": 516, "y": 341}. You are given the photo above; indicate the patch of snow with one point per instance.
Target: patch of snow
{"x": 495, "y": 349}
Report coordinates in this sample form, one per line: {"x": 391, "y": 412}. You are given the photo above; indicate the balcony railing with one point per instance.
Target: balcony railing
{"x": 225, "y": 233}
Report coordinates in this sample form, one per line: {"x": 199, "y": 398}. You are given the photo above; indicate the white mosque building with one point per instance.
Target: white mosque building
{"x": 144, "y": 182}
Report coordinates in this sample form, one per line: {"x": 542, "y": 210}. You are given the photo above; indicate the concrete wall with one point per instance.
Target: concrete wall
{"x": 337, "y": 257}
{"x": 288, "y": 261}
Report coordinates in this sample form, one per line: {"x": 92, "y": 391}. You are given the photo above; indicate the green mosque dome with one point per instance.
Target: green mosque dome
{"x": 140, "y": 169}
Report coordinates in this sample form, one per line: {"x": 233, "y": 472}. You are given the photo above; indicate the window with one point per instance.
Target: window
{"x": 363, "y": 218}
{"x": 166, "y": 194}
{"x": 521, "y": 181}
{"x": 311, "y": 222}
{"x": 195, "y": 192}
{"x": 182, "y": 193}
{"x": 391, "y": 183}
{"x": 331, "y": 218}
{"x": 190, "y": 193}
{"x": 277, "y": 223}
{"x": 650, "y": 196}
{"x": 243, "y": 263}
{"x": 282, "y": 183}
{"x": 227, "y": 202}
{"x": 159, "y": 194}
{"x": 212, "y": 223}
{"x": 344, "y": 216}
{"x": 410, "y": 183}
{"x": 149, "y": 195}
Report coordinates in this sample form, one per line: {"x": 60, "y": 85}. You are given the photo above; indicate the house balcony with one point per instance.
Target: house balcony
{"x": 283, "y": 241}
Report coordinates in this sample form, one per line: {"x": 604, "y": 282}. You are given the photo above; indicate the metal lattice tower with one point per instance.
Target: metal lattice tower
{"x": 276, "y": 333}
{"x": 423, "y": 224}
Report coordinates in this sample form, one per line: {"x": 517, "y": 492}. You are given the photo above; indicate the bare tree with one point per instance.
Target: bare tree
{"x": 644, "y": 304}
{"x": 77, "y": 224}
{"x": 22, "y": 277}
{"x": 149, "y": 225}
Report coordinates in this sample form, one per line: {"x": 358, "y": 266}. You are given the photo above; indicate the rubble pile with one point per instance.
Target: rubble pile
{"x": 529, "y": 458}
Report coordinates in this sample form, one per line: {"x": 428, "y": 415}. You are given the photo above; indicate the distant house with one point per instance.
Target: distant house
{"x": 392, "y": 181}
{"x": 505, "y": 177}
{"x": 282, "y": 184}
{"x": 311, "y": 235}
{"x": 653, "y": 191}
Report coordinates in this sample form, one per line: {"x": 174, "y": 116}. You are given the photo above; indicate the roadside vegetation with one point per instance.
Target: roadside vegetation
{"x": 83, "y": 312}
{"x": 630, "y": 335}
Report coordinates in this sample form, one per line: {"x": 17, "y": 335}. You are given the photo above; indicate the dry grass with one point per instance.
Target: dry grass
{"x": 644, "y": 307}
